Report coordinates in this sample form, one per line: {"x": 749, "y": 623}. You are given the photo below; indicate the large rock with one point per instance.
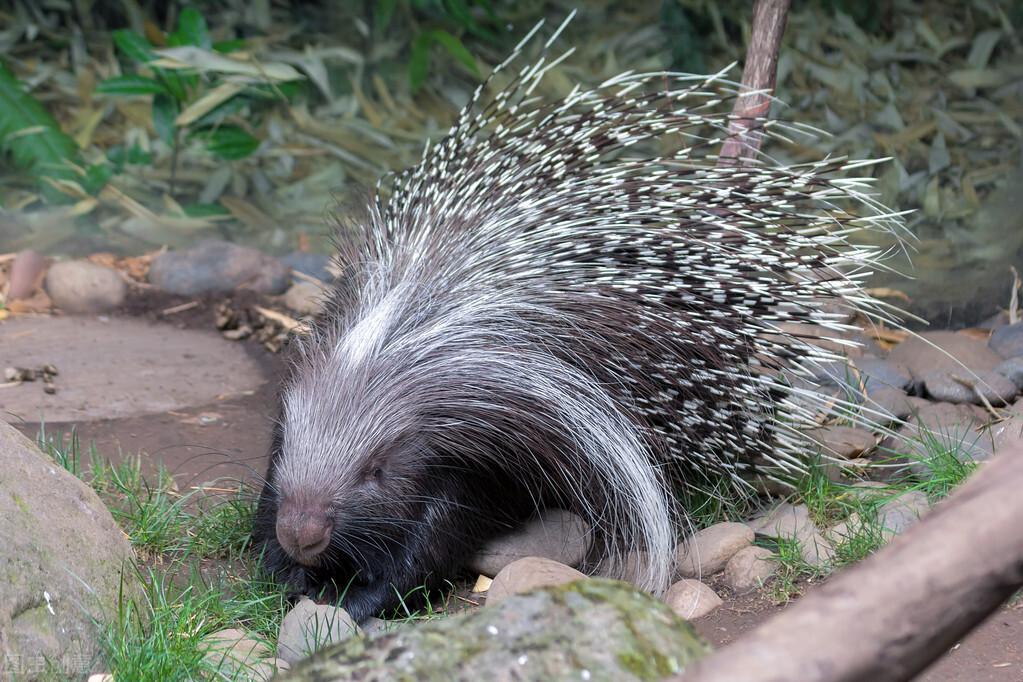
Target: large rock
{"x": 587, "y": 630}
{"x": 528, "y": 574}
{"x": 61, "y": 558}
{"x": 79, "y": 286}
{"x": 214, "y": 266}
{"x": 557, "y": 534}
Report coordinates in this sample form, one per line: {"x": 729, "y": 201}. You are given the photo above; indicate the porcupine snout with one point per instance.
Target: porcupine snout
{"x": 304, "y": 529}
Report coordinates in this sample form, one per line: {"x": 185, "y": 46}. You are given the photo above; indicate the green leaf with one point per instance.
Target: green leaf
{"x": 135, "y": 155}
{"x": 165, "y": 110}
{"x": 229, "y": 46}
{"x": 192, "y": 28}
{"x": 457, "y": 50}
{"x": 96, "y": 177}
{"x": 134, "y": 46}
{"x": 204, "y": 210}
{"x": 230, "y": 143}
{"x": 33, "y": 138}
{"x": 419, "y": 60}
{"x": 130, "y": 85}
{"x": 383, "y": 11}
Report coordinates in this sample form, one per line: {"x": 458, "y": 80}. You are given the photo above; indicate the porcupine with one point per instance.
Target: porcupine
{"x": 533, "y": 320}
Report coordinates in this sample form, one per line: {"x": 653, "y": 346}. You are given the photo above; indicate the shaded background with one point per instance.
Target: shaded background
{"x": 150, "y": 149}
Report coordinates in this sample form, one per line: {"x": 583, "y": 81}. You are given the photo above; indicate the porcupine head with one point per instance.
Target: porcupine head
{"x": 534, "y": 319}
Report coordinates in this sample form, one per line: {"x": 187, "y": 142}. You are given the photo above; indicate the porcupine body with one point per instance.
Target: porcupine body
{"x": 534, "y": 319}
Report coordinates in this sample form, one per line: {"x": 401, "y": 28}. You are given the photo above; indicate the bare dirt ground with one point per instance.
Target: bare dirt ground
{"x": 225, "y": 436}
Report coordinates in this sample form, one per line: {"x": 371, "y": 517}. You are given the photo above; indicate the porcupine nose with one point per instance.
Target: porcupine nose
{"x": 303, "y": 530}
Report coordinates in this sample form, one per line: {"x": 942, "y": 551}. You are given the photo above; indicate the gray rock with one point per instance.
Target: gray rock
{"x": 935, "y": 429}
{"x": 866, "y": 372}
{"x": 884, "y": 405}
{"x": 902, "y": 512}
{"x": 943, "y": 352}
{"x": 1007, "y": 341}
{"x": 845, "y": 442}
{"x": 216, "y": 266}
{"x": 707, "y": 552}
{"x": 591, "y": 629}
{"x": 792, "y": 522}
{"x": 310, "y": 626}
{"x": 987, "y": 385}
{"x": 1012, "y": 369}
{"x": 691, "y": 599}
{"x": 79, "y": 286}
{"x": 528, "y": 574}
{"x": 61, "y": 561}
{"x": 237, "y": 655}
{"x": 312, "y": 264}
{"x": 557, "y": 535}
{"x": 304, "y": 298}
{"x": 749, "y": 569}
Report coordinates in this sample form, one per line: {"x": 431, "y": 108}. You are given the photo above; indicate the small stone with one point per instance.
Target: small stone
{"x": 783, "y": 521}
{"x": 845, "y": 442}
{"x": 966, "y": 388}
{"x": 234, "y": 653}
{"x": 845, "y": 530}
{"x": 214, "y": 266}
{"x": 305, "y": 298}
{"x": 311, "y": 626}
{"x": 864, "y": 372}
{"x": 528, "y": 574}
{"x": 373, "y": 625}
{"x": 707, "y": 552}
{"x": 885, "y": 405}
{"x": 902, "y": 512}
{"x": 1007, "y": 341}
{"x": 792, "y": 522}
{"x": 943, "y": 352}
{"x": 79, "y": 286}
{"x": 691, "y": 599}
{"x": 749, "y": 569}
{"x": 312, "y": 264}
{"x": 557, "y": 535}
{"x": 24, "y": 274}
{"x": 1012, "y": 369}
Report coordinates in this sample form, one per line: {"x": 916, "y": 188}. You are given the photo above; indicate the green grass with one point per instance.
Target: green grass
{"x": 193, "y": 573}
{"x": 943, "y": 464}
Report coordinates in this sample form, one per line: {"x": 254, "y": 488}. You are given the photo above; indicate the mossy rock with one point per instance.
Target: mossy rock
{"x": 586, "y": 630}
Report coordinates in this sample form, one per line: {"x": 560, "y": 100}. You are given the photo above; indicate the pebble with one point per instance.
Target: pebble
{"x": 707, "y": 552}
{"x": 845, "y": 442}
{"x": 80, "y": 286}
{"x": 942, "y": 352}
{"x": 749, "y": 569}
{"x": 896, "y": 515}
{"x": 236, "y": 654}
{"x": 310, "y": 626}
{"x": 1007, "y": 341}
{"x": 792, "y": 522}
{"x": 867, "y": 372}
{"x": 313, "y": 264}
{"x": 305, "y": 298}
{"x": 885, "y": 405}
{"x": 947, "y": 426}
{"x": 528, "y": 574}
{"x": 691, "y": 599}
{"x": 24, "y": 274}
{"x": 987, "y": 386}
{"x": 1012, "y": 369}
{"x": 557, "y": 535}
{"x": 217, "y": 266}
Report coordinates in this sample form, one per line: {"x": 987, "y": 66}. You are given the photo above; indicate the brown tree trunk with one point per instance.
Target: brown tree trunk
{"x": 758, "y": 80}
{"x": 889, "y": 617}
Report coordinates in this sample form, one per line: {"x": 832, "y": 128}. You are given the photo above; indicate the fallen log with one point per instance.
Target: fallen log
{"x": 907, "y": 604}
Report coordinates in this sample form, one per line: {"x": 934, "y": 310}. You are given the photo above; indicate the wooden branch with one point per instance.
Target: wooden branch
{"x": 759, "y": 74}
{"x": 907, "y": 604}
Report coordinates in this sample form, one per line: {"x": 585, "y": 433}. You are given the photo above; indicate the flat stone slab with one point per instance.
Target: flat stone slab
{"x": 117, "y": 367}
